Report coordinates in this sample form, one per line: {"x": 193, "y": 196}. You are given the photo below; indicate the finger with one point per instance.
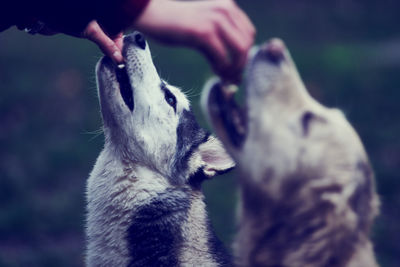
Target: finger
{"x": 247, "y": 29}
{"x": 237, "y": 43}
{"x": 94, "y": 33}
{"x": 243, "y": 22}
{"x": 216, "y": 53}
{"x": 119, "y": 40}
{"x": 237, "y": 17}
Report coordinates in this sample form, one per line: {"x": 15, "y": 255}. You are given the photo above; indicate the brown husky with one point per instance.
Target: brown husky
{"x": 308, "y": 195}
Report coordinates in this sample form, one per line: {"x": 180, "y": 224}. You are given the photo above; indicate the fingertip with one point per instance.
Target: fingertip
{"x": 117, "y": 57}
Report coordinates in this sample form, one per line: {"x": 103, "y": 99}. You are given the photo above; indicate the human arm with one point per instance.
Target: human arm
{"x": 101, "y": 21}
{"x": 217, "y": 28}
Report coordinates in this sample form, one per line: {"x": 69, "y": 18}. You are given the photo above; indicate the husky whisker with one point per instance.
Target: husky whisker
{"x": 145, "y": 206}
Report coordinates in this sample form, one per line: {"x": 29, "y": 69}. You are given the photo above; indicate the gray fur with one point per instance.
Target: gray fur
{"x": 141, "y": 211}
{"x": 308, "y": 195}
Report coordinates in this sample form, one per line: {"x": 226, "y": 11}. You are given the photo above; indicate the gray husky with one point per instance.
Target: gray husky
{"x": 308, "y": 195}
{"x": 144, "y": 202}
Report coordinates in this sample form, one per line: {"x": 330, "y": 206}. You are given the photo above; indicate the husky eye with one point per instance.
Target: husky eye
{"x": 170, "y": 98}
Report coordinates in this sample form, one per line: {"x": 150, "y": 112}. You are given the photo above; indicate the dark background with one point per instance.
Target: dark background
{"x": 348, "y": 53}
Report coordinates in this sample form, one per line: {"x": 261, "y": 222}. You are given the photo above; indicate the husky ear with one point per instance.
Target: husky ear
{"x": 215, "y": 159}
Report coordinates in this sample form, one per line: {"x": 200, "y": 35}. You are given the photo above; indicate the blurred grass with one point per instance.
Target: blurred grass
{"x": 347, "y": 52}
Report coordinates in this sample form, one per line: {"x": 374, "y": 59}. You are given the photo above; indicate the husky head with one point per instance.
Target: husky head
{"x": 149, "y": 122}
{"x": 283, "y": 132}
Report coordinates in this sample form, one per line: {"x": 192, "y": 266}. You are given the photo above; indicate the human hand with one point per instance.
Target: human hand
{"x": 217, "y": 28}
{"x": 110, "y": 45}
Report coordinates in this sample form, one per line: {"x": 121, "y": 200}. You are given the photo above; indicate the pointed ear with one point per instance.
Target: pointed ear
{"x": 215, "y": 159}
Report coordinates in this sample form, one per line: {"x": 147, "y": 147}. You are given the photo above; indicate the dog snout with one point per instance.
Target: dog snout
{"x": 140, "y": 40}
{"x": 136, "y": 39}
{"x": 274, "y": 50}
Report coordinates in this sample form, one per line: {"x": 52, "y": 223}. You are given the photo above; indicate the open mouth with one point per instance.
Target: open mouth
{"x": 125, "y": 86}
{"x": 229, "y": 119}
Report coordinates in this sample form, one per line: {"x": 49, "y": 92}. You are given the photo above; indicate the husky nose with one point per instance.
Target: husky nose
{"x": 140, "y": 41}
{"x": 274, "y": 50}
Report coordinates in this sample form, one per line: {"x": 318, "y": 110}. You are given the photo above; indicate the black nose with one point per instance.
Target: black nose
{"x": 140, "y": 41}
{"x": 274, "y": 50}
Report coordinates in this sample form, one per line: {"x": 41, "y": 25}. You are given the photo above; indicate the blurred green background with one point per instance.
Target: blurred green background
{"x": 347, "y": 51}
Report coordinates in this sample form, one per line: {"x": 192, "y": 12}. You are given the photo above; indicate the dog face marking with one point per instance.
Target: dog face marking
{"x": 141, "y": 121}
{"x": 125, "y": 87}
{"x": 145, "y": 119}
{"x": 145, "y": 206}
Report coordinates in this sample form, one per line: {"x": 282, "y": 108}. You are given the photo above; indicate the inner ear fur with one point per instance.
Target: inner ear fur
{"x": 215, "y": 159}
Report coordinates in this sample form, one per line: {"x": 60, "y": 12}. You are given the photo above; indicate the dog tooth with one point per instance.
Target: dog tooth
{"x": 229, "y": 90}
{"x": 232, "y": 88}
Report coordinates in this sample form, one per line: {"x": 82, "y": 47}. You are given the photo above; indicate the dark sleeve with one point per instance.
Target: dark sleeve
{"x": 71, "y": 16}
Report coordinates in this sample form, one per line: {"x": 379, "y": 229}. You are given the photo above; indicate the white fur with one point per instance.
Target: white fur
{"x": 137, "y": 163}
{"x": 280, "y": 153}
{"x": 114, "y": 191}
{"x": 196, "y": 251}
